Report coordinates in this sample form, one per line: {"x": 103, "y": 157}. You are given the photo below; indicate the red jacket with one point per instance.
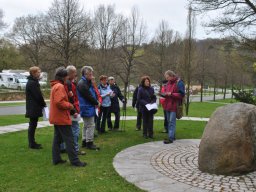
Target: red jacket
{"x": 170, "y": 102}
{"x": 75, "y": 97}
{"x": 59, "y": 105}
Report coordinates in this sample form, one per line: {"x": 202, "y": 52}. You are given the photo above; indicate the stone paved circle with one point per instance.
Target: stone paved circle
{"x": 180, "y": 163}
{"x": 157, "y": 167}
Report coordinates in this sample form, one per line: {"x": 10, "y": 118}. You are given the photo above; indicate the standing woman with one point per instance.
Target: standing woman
{"x": 34, "y": 105}
{"x": 146, "y": 96}
{"x": 106, "y": 93}
{"x": 60, "y": 117}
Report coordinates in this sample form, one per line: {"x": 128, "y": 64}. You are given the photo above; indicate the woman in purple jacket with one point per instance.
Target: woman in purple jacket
{"x": 146, "y": 96}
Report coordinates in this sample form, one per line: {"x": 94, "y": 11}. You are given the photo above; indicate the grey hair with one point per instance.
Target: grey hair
{"x": 170, "y": 73}
{"x": 86, "y": 69}
{"x": 70, "y": 69}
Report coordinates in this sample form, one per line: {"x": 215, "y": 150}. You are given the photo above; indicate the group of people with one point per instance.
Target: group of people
{"x": 171, "y": 95}
{"x": 69, "y": 102}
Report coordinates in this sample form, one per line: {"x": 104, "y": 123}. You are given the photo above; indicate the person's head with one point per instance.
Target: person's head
{"x": 61, "y": 74}
{"x": 111, "y": 80}
{"x": 169, "y": 75}
{"x": 103, "y": 79}
{"x": 35, "y": 72}
{"x": 71, "y": 69}
{"x": 87, "y": 72}
{"x": 145, "y": 81}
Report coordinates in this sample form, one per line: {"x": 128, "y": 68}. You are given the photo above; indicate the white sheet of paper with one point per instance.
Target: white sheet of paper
{"x": 45, "y": 113}
{"x": 97, "y": 112}
{"x": 151, "y": 106}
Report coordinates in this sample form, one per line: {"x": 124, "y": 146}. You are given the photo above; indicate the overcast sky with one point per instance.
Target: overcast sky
{"x": 152, "y": 11}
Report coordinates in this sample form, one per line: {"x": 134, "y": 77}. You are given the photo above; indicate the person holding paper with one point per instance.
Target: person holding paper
{"x": 106, "y": 94}
{"x": 173, "y": 92}
{"x": 34, "y": 105}
{"x": 70, "y": 87}
{"x": 147, "y": 98}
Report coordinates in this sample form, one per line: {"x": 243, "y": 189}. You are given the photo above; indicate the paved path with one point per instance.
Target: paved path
{"x": 156, "y": 167}
{"x": 41, "y": 124}
{"x": 15, "y": 110}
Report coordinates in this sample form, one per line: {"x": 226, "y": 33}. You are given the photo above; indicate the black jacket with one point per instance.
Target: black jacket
{"x": 145, "y": 96}
{"x": 134, "y": 98}
{"x": 114, "y": 100}
{"x": 34, "y": 99}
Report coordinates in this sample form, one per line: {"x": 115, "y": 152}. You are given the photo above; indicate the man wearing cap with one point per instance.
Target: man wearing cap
{"x": 115, "y": 108}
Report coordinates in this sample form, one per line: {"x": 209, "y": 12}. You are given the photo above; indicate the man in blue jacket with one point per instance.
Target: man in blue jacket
{"x": 87, "y": 102}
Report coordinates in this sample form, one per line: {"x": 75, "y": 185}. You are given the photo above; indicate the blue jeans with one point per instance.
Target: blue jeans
{"x": 75, "y": 131}
{"x": 171, "y": 118}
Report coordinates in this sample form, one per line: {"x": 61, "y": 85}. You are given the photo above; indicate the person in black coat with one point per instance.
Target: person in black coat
{"x": 136, "y": 104}
{"x": 115, "y": 107}
{"x": 146, "y": 96}
{"x": 34, "y": 105}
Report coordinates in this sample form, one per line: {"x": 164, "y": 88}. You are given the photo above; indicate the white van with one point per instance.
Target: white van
{"x": 13, "y": 81}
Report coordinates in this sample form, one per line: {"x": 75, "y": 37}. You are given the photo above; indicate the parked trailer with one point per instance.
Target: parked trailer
{"x": 13, "y": 81}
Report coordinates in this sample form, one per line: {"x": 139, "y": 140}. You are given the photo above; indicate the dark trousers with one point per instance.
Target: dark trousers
{"x": 148, "y": 123}
{"x": 31, "y": 130}
{"x": 165, "y": 121}
{"x": 117, "y": 119}
{"x": 63, "y": 133}
{"x": 101, "y": 122}
{"x": 139, "y": 119}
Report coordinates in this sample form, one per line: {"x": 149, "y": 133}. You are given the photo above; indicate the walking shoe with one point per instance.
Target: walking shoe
{"x": 59, "y": 162}
{"x": 164, "y": 131}
{"x": 168, "y": 141}
{"x": 151, "y": 137}
{"x": 145, "y": 136}
{"x": 84, "y": 143}
{"x": 138, "y": 129}
{"x": 91, "y": 146}
{"x": 79, "y": 164}
{"x": 36, "y": 146}
{"x": 63, "y": 151}
{"x": 81, "y": 153}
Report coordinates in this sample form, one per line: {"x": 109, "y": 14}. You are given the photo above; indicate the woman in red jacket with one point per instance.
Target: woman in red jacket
{"x": 60, "y": 116}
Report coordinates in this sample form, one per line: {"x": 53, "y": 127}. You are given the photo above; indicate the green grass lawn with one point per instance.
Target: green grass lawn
{"x": 11, "y": 104}
{"x": 23, "y": 169}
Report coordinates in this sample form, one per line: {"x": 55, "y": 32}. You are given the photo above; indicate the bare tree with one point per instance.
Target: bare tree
{"x": 67, "y": 29}
{"x": 235, "y": 16}
{"x": 2, "y": 23}
{"x": 188, "y": 54}
{"x": 163, "y": 40}
{"x": 107, "y": 26}
{"x": 27, "y": 32}
{"x": 132, "y": 36}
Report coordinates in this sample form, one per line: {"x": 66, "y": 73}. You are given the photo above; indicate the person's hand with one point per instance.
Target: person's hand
{"x": 99, "y": 104}
{"x": 75, "y": 115}
{"x": 70, "y": 94}
{"x": 113, "y": 94}
{"x": 169, "y": 93}
{"x": 72, "y": 106}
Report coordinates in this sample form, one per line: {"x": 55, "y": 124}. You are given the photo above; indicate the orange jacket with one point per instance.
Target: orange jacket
{"x": 59, "y": 105}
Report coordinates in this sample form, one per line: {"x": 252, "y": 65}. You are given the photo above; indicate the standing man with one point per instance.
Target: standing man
{"x": 114, "y": 108}
{"x": 173, "y": 92}
{"x": 135, "y": 103}
{"x": 34, "y": 105}
{"x": 70, "y": 87}
{"x": 88, "y": 103}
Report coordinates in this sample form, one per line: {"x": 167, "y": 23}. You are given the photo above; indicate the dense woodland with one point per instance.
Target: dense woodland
{"x": 119, "y": 46}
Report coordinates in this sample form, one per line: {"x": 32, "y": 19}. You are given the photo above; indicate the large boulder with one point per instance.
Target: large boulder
{"x": 228, "y": 144}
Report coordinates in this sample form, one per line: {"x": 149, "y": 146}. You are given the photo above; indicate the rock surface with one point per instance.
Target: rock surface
{"x": 228, "y": 144}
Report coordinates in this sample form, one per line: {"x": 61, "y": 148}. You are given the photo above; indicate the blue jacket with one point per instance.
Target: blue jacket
{"x": 104, "y": 90}
{"x": 87, "y": 98}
